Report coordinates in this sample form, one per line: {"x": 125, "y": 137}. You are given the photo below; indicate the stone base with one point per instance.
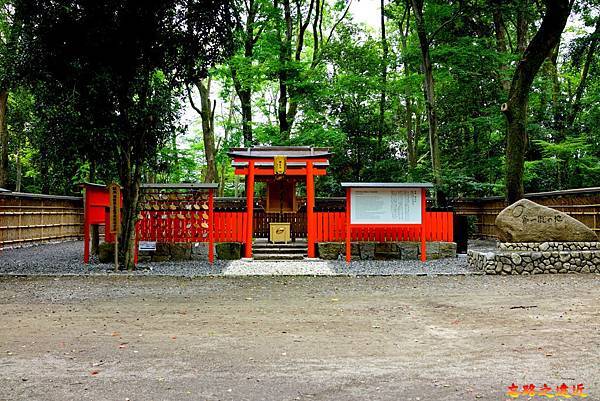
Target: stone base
{"x": 164, "y": 252}
{"x": 386, "y": 250}
{"x": 106, "y": 252}
{"x": 167, "y": 251}
{"x": 229, "y": 250}
{"x": 548, "y": 246}
{"x": 534, "y": 262}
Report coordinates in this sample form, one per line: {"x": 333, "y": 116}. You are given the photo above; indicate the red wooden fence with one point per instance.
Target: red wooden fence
{"x": 230, "y": 226}
{"x": 331, "y": 227}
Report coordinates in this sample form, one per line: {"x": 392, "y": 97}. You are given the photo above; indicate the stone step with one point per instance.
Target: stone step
{"x": 279, "y": 250}
{"x": 263, "y": 244}
{"x": 279, "y": 256}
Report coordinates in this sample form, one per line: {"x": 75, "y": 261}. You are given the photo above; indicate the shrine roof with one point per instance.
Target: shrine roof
{"x": 259, "y": 152}
{"x": 324, "y": 164}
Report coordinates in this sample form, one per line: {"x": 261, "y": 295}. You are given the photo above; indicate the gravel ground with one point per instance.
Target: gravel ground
{"x": 66, "y": 258}
{"x": 407, "y": 338}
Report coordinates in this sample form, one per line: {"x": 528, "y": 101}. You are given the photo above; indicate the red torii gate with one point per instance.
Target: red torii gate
{"x": 265, "y": 164}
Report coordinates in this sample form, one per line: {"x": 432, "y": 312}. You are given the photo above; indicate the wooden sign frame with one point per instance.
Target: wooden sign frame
{"x": 422, "y": 187}
{"x": 114, "y": 197}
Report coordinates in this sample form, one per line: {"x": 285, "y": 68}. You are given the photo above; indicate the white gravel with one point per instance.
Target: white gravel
{"x": 66, "y": 258}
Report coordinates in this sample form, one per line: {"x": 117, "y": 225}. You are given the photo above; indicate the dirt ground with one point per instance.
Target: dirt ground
{"x": 296, "y": 338}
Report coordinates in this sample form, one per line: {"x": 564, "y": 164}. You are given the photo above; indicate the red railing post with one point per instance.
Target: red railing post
{"x": 249, "y": 207}
{"x": 86, "y": 226}
{"x": 348, "y": 243}
{"x": 211, "y": 227}
{"x": 310, "y": 208}
{"x": 423, "y": 224}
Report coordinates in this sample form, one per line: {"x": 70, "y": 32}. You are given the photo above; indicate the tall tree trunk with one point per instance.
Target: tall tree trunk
{"x": 318, "y": 42}
{"x": 500, "y": 33}
{"x": 410, "y": 136}
{"x": 3, "y": 139}
{"x": 384, "y": 61}
{"x": 317, "y": 36}
{"x": 515, "y": 109}
{"x": 411, "y": 141}
{"x": 44, "y": 169}
{"x": 130, "y": 173}
{"x": 19, "y": 167}
{"x": 242, "y": 88}
{"x": 522, "y": 25}
{"x": 558, "y": 120}
{"x": 208, "y": 130}
{"x": 434, "y": 143}
{"x": 207, "y": 114}
{"x": 226, "y": 135}
{"x": 576, "y": 106}
{"x": 285, "y": 54}
{"x": 245, "y": 96}
{"x": 417, "y": 134}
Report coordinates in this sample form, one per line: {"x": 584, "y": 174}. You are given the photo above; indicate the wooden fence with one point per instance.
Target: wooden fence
{"x": 582, "y": 204}
{"x": 262, "y": 221}
{"x": 230, "y": 226}
{"x": 32, "y": 218}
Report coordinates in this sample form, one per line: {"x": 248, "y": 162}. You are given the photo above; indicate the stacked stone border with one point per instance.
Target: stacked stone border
{"x": 165, "y": 252}
{"x": 548, "y": 246}
{"x": 386, "y": 250}
{"x": 538, "y": 258}
{"x": 326, "y": 250}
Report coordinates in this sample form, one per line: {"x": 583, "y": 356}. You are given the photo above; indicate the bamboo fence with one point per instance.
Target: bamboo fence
{"x": 33, "y": 218}
{"x": 582, "y": 204}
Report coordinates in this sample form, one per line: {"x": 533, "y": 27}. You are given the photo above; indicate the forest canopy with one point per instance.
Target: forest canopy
{"x": 416, "y": 97}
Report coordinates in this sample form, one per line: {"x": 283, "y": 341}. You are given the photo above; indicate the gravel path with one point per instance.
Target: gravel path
{"x": 66, "y": 258}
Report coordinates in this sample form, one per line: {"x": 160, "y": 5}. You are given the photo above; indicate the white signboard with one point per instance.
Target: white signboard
{"x": 147, "y": 246}
{"x": 385, "y": 206}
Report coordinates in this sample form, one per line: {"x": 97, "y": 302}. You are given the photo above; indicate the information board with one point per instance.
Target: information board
{"x": 114, "y": 191}
{"x": 385, "y": 206}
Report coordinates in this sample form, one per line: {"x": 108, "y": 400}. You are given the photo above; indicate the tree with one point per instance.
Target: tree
{"x": 3, "y": 138}
{"x": 384, "y": 65}
{"x": 515, "y": 109}
{"x": 501, "y": 40}
{"x": 63, "y": 128}
{"x": 241, "y": 65}
{"x": 293, "y": 71}
{"x": 592, "y": 47}
{"x": 5, "y": 63}
{"x": 207, "y": 114}
{"x": 123, "y": 64}
{"x": 405, "y": 62}
{"x": 429, "y": 86}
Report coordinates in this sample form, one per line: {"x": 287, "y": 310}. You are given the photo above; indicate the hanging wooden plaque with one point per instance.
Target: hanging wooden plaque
{"x": 279, "y": 165}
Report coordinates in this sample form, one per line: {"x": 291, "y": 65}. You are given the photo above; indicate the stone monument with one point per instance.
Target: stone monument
{"x": 537, "y": 239}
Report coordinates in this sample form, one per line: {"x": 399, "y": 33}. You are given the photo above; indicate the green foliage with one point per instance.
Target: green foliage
{"x": 337, "y": 92}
